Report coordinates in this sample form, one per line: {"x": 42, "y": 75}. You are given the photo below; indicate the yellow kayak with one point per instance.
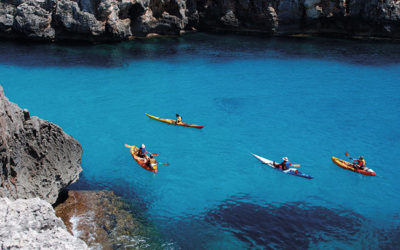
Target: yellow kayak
{"x": 170, "y": 121}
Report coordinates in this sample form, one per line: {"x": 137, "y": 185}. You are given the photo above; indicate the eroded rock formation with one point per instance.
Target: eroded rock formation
{"x": 115, "y": 20}
{"x": 32, "y": 224}
{"x": 37, "y": 159}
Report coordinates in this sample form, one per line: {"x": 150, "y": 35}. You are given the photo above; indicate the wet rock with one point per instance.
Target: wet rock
{"x": 101, "y": 219}
{"x": 32, "y": 224}
{"x": 37, "y": 159}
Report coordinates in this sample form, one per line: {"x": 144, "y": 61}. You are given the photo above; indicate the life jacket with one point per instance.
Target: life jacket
{"x": 361, "y": 163}
{"x": 141, "y": 152}
{"x": 286, "y": 165}
{"x": 152, "y": 163}
{"x": 179, "y": 119}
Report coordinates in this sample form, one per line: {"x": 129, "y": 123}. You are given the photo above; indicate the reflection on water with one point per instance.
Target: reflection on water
{"x": 217, "y": 48}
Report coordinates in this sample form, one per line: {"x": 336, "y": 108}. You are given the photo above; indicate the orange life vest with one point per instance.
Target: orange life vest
{"x": 361, "y": 163}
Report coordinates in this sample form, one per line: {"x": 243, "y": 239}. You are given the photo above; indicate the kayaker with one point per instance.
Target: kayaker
{"x": 283, "y": 165}
{"x": 152, "y": 163}
{"x": 178, "y": 119}
{"x": 360, "y": 163}
{"x": 142, "y": 151}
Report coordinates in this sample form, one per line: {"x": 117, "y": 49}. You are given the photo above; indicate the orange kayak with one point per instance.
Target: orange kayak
{"x": 349, "y": 166}
{"x": 141, "y": 161}
{"x": 172, "y": 122}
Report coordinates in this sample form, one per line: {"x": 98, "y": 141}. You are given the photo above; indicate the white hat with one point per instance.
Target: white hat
{"x": 285, "y": 159}
{"x": 143, "y": 146}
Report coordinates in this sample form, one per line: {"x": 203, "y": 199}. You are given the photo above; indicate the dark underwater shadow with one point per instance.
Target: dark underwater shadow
{"x": 294, "y": 225}
{"x": 285, "y": 226}
{"x": 390, "y": 239}
{"x": 211, "y": 47}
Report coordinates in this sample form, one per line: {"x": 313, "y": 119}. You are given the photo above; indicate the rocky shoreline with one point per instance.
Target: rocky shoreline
{"x": 38, "y": 159}
{"x": 118, "y": 20}
{"x": 32, "y": 224}
{"x": 38, "y": 162}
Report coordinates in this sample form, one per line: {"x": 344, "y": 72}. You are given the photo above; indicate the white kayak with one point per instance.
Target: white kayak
{"x": 291, "y": 171}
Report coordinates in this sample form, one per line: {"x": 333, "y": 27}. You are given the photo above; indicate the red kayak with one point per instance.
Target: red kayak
{"x": 141, "y": 161}
{"x": 349, "y": 166}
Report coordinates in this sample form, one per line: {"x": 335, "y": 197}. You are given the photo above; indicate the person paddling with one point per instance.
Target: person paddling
{"x": 285, "y": 165}
{"x": 152, "y": 163}
{"x": 142, "y": 151}
{"x": 178, "y": 119}
{"x": 360, "y": 163}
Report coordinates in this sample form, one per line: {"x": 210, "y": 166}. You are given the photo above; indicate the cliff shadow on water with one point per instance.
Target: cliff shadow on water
{"x": 211, "y": 47}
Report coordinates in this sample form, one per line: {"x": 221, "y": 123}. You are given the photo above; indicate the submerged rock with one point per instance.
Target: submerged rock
{"x": 37, "y": 159}
{"x": 101, "y": 219}
{"x": 32, "y": 224}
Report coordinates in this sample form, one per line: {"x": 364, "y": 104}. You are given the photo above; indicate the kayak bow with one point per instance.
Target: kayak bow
{"x": 291, "y": 171}
{"x": 170, "y": 121}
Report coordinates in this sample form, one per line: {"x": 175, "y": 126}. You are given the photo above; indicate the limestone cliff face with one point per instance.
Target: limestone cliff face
{"x": 114, "y": 20}
{"x": 32, "y": 224}
{"x": 37, "y": 159}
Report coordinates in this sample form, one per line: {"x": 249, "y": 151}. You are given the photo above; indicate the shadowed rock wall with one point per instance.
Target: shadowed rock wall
{"x": 115, "y": 20}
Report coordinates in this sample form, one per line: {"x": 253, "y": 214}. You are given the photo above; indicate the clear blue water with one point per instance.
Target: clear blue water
{"x": 308, "y": 99}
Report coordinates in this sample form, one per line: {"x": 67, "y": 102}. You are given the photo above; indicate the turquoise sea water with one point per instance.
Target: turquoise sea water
{"x": 307, "y": 99}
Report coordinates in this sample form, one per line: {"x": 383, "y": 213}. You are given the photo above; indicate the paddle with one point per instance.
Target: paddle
{"x": 347, "y": 154}
{"x": 153, "y": 154}
{"x": 293, "y": 165}
{"x": 352, "y": 163}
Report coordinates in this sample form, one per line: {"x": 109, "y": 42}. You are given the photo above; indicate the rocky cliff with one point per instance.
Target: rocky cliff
{"x": 115, "y": 20}
{"x": 32, "y": 224}
{"x": 37, "y": 159}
